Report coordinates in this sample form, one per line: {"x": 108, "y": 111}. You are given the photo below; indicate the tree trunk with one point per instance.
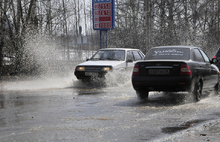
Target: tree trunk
{"x": 171, "y": 27}
{"x": 147, "y": 24}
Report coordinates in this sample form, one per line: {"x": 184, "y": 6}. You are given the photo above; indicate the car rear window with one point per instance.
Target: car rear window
{"x": 168, "y": 53}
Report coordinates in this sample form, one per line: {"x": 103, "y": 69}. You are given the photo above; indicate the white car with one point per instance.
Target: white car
{"x": 108, "y": 59}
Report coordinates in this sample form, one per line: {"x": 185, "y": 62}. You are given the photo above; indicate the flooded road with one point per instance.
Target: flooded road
{"x": 68, "y": 110}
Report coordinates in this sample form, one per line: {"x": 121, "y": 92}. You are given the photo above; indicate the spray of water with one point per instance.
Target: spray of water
{"x": 113, "y": 78}
{"x": 46, "y": 55}
{"x": 46, "y": 64}
{"x": 119, "y": 78}
{"x": 50, "y": 67}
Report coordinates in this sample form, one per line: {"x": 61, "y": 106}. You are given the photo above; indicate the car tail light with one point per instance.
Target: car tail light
{"x": 214, "y": 57}
{"x": 136, "y": 70}
{"x": 185, "y": 70}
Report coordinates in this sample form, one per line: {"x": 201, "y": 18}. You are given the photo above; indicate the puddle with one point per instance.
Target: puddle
{"x": 90, "y": 92}
{"x": 183, "y": 126}
{"x": 216, "y": 114}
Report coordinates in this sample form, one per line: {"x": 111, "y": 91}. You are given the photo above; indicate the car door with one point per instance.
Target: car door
{"x": 212, "y": 73}
{"x": 202, "y": 68}
{"x": 130, "y": 59}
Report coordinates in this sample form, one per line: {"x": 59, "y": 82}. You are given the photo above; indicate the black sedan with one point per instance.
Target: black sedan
{"x": 174, "y": 69}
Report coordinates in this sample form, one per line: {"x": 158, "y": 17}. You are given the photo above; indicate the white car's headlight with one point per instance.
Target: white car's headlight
{"x": 106, "y": 68}
{"x": 80, "y": 68}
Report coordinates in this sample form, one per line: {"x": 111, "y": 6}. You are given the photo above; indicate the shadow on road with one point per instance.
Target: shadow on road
{"x": 161, "y": 99}
{"x": 167, "y": 99}
{"x": 89, "y": 85}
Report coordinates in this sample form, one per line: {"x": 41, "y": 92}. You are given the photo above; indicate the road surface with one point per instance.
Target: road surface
{"x": 64, "y": 109}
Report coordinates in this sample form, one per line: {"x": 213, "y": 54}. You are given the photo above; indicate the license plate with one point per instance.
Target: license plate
{"x": 159, "y": 71}
{"x": 90, "y": 73}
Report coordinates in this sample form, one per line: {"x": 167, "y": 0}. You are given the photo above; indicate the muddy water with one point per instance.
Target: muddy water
{"x": 64, "y": 109}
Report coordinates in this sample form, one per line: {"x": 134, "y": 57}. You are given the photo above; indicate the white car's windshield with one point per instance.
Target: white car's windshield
{"x": 118, "y": 55}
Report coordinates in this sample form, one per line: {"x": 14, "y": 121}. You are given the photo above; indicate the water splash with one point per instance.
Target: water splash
{"x": 46, "y": 56}
{"x": 118, "y": 78}
{"x": 44, "y": 65}
{"x": 50, "y": 66}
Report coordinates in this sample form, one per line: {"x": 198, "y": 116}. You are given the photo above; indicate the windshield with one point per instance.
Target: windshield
{"x": 168, "y": 53}
{"x": 118, "y": 55}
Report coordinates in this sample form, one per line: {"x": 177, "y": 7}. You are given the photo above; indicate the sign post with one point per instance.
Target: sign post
{"x": 103, "y": 13}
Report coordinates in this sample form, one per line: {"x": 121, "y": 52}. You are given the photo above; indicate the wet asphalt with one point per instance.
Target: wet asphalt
{"x": 98, "y": 113}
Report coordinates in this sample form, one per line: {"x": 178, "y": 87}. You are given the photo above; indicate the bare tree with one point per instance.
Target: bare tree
{"x": 3, "y": 7}
{"x": 139, "y": 24}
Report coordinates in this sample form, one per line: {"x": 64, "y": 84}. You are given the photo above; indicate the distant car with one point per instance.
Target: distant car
{"x": 105, "y": 60}
{"x": 173, "y": 69}
{"x": 217, "y": 56}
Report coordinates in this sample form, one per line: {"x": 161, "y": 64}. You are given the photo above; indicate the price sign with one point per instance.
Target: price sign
{"x": 103, "y": 12}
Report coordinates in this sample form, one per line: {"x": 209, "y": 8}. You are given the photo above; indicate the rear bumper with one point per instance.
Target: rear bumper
{"x": 154, "y": 83}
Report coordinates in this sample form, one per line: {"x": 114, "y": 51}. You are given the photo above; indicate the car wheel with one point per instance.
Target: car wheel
{"x": 216, "y": 89}
{"x": 86, "y": 80}
{"x": 197, "y": 93}
{"x": 142, "y": 94}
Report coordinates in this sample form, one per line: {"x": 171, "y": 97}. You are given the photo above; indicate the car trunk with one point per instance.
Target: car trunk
{"x": 160, "y": 68}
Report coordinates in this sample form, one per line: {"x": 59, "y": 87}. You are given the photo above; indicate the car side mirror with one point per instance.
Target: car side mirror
{"x": 214, "y": 60}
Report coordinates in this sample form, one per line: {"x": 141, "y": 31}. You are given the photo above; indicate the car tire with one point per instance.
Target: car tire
{"x": 216, "y": 88}
{"x": 142, "y": 94}
{"x": 86, "y": 80}
{"x": 197, "y": 92}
